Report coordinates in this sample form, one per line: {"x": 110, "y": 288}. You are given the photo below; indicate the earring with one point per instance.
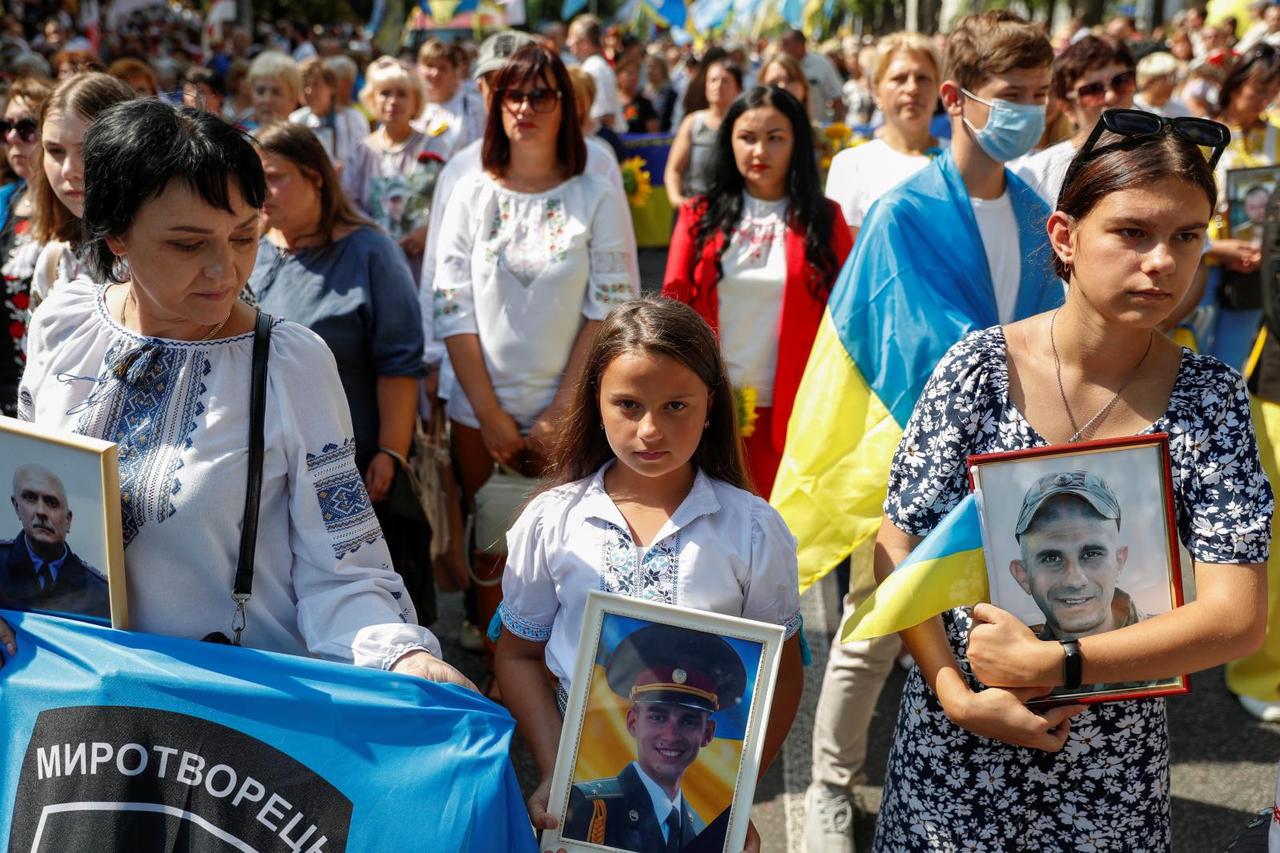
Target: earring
{"x": 706, "y": 423}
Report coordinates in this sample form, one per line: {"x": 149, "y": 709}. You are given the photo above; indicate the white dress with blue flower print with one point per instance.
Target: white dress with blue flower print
{"x": 179, "y": 413}
{"x": 947, "y": 789}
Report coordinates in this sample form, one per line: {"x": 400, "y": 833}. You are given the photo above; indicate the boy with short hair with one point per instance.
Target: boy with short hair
{"x": 961, "y": 245}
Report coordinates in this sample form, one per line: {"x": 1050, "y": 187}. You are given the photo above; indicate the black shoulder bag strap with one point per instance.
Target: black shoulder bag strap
{"x": 243, "y": 588}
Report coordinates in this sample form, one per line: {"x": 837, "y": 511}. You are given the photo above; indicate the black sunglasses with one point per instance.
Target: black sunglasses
{"x": 1119, "y": 84}
{"x": 1137, "y": 124}
{"x": 26, "y": 128}
{"x": 540, "y": 100}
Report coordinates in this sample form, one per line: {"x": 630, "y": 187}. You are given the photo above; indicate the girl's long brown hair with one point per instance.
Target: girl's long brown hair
{"x": 86, "y": 95}
{"x": 652, "y": 326}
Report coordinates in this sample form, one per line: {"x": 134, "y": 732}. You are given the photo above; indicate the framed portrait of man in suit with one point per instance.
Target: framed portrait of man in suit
{"x": 1081, "y": 539}
{"x": 62, "y": 552}
{"x": 1248, "y": 191}
{"x": 663, "y": 730}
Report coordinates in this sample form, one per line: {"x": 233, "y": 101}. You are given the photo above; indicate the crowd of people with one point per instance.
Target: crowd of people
{"x": 439, "y": 242}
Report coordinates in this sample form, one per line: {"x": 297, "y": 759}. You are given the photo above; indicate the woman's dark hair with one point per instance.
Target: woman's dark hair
{"x": 695, "y": 96}
{"x": 1260, "y": 65}
{"x": 135, "y": 149}
{"x": 651, "y": 326}
{"x": 807, "y": 207}
{"x": 532, "y": 64}
{"x": 86, "y": 95}
{"x": 1118, "y": 163}
{"x": 299, "y": 145}
{"x": 1085, "y": 56}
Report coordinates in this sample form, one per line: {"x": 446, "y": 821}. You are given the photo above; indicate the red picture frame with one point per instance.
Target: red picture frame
{"x": 985, "y": 467}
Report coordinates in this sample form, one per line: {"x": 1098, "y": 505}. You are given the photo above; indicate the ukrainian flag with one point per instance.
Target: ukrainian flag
{"x": 916, "y": 283}
{"x": 945, "y": 570}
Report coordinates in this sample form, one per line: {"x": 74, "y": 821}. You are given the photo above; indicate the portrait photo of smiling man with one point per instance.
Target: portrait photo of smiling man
{"x": 1073, "y": 553}
{"x": 674, "y": 682}
{"x": 1079, "y": 540}
{"x": 38, "y": 569}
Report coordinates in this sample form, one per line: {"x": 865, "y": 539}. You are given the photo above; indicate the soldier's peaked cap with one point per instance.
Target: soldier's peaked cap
{"x": 678, "y": 666}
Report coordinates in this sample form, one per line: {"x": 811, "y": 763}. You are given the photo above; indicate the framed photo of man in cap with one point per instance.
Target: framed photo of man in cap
{"x": 1081, "y": 539}
{"x": 664, "y": 729}
{"x": 63, "y": 552}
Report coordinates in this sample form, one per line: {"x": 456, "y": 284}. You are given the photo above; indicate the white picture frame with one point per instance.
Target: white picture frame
{"x": 590, "y": 739}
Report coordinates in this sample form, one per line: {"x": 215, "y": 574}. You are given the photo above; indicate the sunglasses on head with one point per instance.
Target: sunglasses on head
{"x": 541, "y": 100}
{"x": 1095, "y": 92}
{"x": 1137, "y": 124}
{"x": 26, "y": 128}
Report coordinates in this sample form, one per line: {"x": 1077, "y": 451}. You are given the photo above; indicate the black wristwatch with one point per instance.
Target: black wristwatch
{"x": 1072, "y": 664}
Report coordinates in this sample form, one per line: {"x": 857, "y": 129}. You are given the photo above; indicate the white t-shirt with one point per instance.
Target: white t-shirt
{"x": 1045, "y": 170}
{"x": 608, "y": 102}
{"x": 522, "y": 271}
{"x": 999, "y": 229}
{"x": 755, "y": 275}
{"x": 860, "y": 175}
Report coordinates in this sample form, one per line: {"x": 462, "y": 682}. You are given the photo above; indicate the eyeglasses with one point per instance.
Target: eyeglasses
{"x": 1137, "y": 124}
{"x": 540, "y": 100}
{"x": 26, "y": 128}
{"x": 1094, "y": 93}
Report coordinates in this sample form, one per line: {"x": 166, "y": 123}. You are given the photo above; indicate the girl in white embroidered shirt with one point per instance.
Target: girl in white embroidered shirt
{"x": 648, "y": 497}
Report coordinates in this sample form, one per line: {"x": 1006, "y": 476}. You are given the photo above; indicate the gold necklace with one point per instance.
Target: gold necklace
{"x": 125, "y": 308}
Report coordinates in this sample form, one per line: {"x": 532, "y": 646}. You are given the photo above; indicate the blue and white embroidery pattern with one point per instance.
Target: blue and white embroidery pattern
{"x": 651, "y": 577}
{"x": 344, "y": 503}
{"x": 147, "y": 401}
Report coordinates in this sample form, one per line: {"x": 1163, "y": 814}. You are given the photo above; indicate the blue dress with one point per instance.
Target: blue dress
{"x": 1108, "y": 789}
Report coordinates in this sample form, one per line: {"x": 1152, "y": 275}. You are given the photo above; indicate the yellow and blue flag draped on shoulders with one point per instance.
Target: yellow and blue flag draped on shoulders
{"x": 916, "y": 283}
{"x": 945, "y": 570}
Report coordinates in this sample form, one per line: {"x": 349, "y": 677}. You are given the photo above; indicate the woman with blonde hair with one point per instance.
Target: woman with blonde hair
{"x": 391, "y": 176}
{"x": 20, "y": 127}
{"x": 904, "y": 81}
{"x": 276, "y": 85}
{"x": 784, "y": 72}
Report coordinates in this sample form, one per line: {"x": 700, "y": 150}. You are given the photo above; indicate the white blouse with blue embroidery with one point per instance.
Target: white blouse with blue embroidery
{"x": 723, "y": 550}
{"x": 179, "y": 413}
{"x": 522, "y": 271}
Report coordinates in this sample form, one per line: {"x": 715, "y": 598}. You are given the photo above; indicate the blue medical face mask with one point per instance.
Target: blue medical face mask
{"x": 1012, "y": 129}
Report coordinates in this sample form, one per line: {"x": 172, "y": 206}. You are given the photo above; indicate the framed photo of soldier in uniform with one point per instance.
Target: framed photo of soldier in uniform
{"x": 1248, "y": 191}
{"x": 63, "y": 552}
{"x": 1081, "y": 539}
{"x": 664, "y": 729}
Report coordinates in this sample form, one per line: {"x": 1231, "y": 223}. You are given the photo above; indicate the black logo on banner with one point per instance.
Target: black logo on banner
{"x": 116, "y": 778}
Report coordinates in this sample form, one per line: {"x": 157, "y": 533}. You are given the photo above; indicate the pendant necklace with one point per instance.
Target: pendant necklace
{"x": 1087, "y": 429}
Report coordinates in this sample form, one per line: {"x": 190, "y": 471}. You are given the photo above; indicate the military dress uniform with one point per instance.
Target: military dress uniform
{"x": 77, "y": 588}
{"x": 656, "y": 664}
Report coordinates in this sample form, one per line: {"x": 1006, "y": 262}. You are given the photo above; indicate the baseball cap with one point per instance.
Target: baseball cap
{"x": 1080, "y": 484}
{"x": 497, "y": 49}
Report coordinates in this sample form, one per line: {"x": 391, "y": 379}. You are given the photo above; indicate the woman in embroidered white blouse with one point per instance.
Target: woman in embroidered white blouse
{"x": 160, "y": 364}
{"x": 532, "y": 255}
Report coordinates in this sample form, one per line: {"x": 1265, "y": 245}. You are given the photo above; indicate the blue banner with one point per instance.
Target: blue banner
{"x": 123, "y": 741}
